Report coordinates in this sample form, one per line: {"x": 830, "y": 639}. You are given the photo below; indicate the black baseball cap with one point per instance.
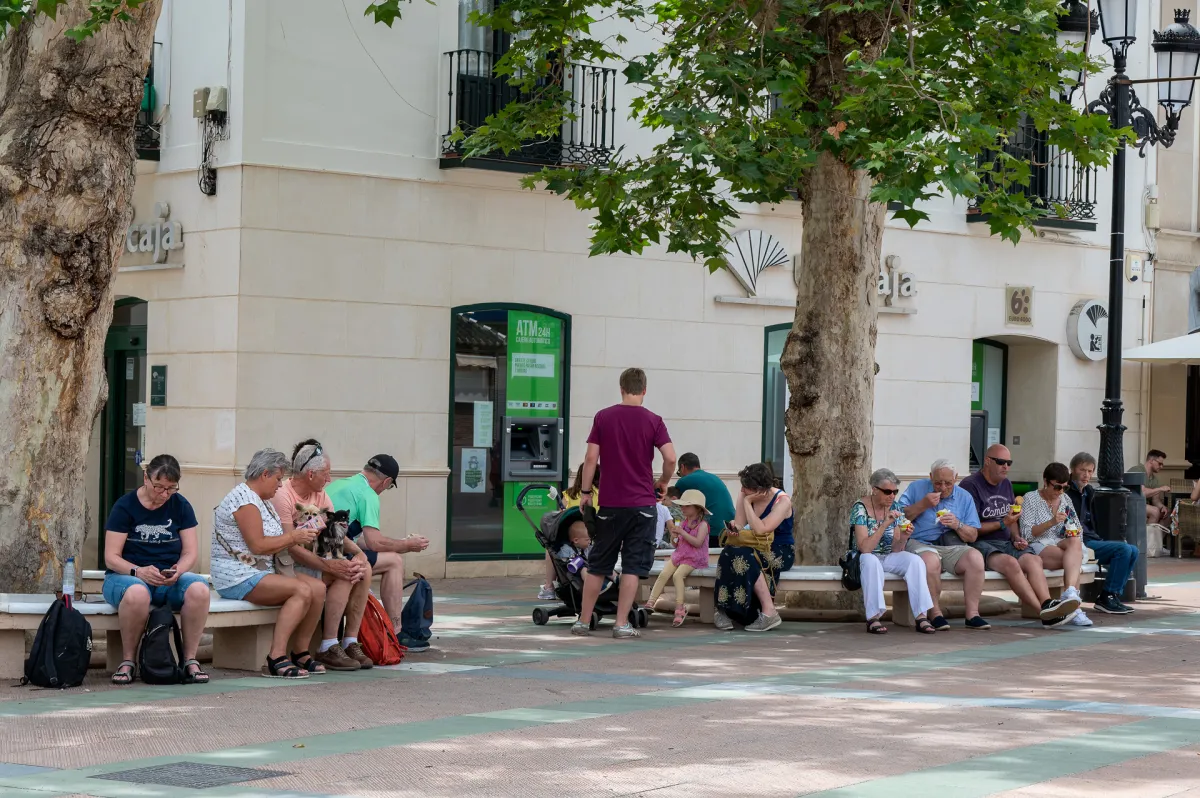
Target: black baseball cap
{"x": 385, "y": 464}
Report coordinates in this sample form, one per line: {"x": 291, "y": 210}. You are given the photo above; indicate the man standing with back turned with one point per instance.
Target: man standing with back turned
{"x": 627, "y": 434}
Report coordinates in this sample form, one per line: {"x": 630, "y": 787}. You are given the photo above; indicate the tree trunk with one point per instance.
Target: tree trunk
{"x": 66, "y": 178}
{"x": 829, "y": 357}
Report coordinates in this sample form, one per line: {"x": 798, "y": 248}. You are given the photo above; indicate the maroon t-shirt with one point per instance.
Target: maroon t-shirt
{"x": 627, "y": 436}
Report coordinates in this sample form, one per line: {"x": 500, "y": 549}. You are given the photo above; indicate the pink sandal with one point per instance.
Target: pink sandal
{"x": 680, "y": 614}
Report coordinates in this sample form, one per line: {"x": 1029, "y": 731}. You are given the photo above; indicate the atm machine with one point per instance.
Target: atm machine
{"x": 531, "y": 449}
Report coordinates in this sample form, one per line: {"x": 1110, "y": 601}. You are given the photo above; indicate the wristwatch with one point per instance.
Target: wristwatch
{"x": 133, "y": 571}
{"x": 586, "y": 492}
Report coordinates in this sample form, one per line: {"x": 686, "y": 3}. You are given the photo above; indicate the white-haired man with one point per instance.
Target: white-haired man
{"x": 937, "y": 506}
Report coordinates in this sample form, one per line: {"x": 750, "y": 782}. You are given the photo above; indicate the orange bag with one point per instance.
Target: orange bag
{"x": 377, "y": 636}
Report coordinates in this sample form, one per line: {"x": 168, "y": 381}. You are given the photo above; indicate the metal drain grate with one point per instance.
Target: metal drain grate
{"x": 193, "y": 775}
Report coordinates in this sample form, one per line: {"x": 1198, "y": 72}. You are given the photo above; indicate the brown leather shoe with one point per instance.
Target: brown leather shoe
{"x": 355, "y": 651}
{"x": 335, "y": 659}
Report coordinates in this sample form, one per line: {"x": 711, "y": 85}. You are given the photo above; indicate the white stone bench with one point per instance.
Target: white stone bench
{"x": 826, "y": 579}
{"x": 241, "y": 630}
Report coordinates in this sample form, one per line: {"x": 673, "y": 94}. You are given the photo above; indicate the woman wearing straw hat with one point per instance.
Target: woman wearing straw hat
{"x": 690, "y": 553}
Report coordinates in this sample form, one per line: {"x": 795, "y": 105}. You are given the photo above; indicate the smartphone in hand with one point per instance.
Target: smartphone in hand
{"x": 169, "y": 573}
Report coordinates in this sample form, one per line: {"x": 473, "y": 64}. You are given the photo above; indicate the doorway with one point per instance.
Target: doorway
{"x": 123, "y": 420}
{"x": 504, "y": 360}
{"x": 989, "y": 397}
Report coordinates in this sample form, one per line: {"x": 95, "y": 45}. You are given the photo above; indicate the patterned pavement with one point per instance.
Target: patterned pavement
{"x": 502, "y": 707}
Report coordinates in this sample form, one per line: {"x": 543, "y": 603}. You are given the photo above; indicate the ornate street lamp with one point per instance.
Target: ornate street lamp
{"x": 1075, "y": 28}
{"x": 1178, "y": 49}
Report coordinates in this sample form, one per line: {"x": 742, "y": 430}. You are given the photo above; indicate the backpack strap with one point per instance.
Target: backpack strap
{"x": 178, "y": 635}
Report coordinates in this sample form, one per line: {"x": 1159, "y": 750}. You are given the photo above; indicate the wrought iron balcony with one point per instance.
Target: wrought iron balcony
{"x": 147, "y": 130}
{"x": 1058, "y": 184}
{"x": 589, "y": 125}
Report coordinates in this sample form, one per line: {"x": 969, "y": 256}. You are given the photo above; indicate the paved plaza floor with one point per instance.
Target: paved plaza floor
{"x": 501, "y": 707}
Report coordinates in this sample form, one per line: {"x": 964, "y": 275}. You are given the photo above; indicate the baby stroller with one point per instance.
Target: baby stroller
{"x": 551, "y": 533}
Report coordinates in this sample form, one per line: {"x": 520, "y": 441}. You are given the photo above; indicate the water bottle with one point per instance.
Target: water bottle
{"x": 68, "y": 588}
{"x": 576, "y": 564}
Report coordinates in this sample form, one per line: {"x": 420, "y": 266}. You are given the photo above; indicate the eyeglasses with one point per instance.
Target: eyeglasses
{"x": 1057, "y": 487}
{"x": 1000, "y": 462}
{"x": 166, "y": 490}
{"x": 316, "y": 453}
{"x": 887, "y": 492}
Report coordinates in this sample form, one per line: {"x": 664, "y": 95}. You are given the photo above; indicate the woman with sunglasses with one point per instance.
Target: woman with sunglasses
{"x": 150, "y": 548}
{"x": 1050, "y": 524}
{"x": 880, "y": 534}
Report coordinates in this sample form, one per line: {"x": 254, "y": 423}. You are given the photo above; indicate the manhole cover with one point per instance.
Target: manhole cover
{"x": 194, "y": 775}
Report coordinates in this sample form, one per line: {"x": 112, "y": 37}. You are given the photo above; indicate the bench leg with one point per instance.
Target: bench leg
{"x": 12, "y": 653}
{"x": 902, "y": 609}
{"x": 242, "y": 648}
{"x": 708, "y": 604}
{"x": 113, "y": 654}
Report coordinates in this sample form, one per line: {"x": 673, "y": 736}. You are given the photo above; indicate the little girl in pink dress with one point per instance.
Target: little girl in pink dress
{"x": 691, "y": 552}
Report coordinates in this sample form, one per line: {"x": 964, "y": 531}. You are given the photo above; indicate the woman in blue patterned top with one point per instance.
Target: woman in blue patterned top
{"x": 880, "y": 532}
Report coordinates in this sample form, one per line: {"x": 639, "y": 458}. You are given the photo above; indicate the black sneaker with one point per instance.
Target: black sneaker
{"x": 1050, "y": 610}
{"x": 941, "y": 624}
{"x": 1048, "y": 623}
{"x": 1109, "y": 603}
{"x": 977, "y": 623}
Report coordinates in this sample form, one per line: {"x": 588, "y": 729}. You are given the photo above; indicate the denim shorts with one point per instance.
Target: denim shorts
{"x": 239, "y": 591}
{"x": 115, "y": 586}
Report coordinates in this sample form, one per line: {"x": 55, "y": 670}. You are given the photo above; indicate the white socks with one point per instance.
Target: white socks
{"x": 326, "y": 645}
{"x": 348, "y": 641}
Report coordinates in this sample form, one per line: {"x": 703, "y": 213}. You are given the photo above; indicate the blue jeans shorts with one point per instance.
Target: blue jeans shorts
{"x": 115, "y": 586}
{"x": 239, "y": 591}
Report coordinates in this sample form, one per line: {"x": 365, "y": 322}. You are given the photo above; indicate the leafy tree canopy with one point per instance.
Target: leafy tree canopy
{"x": 744, "y": 95}
{"x": 14, "y": 12}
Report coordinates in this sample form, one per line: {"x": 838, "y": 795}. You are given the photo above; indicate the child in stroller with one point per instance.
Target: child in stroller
{"x": 565, "y": 534}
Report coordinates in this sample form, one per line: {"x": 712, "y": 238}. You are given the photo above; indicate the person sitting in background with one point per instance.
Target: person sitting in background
{"x": 937, "y": 506}
{"x": 570, "y": 499}
{"x": 1156, "y": 493}
{"x": 1117, "y": 556}
{"x": 246, "y": 536}
{"x": 359, "y": 495}
{"x": 716, "y": 495}
{"x": 150, "y": 549}
{"x": 1051, "y": 526}
{"x": 347, "y": 582}
{"x": 665, "y": 528}
{"x": 690, "y": 553}
{"x": 880, "y": 533}
{"x": 747, "y": 576}
{"x": 999, "y": 540}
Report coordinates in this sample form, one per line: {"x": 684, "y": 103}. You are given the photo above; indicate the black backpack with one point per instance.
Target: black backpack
{"x": 158, "y": 663}
{"x": 62, "y": 649}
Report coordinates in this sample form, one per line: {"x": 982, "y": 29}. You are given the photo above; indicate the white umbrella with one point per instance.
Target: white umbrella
{"x": 1185, "y": 350}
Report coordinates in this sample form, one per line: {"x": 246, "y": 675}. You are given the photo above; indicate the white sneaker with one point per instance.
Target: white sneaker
{"x": 1071, "y": 592}
{"x": 546, "y": 593}
{"x": 1079, "y": 619}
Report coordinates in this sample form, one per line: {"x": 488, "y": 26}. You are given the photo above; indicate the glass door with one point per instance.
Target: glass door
{"x": 124, "y": 416}
{"x": 506, "y": 360}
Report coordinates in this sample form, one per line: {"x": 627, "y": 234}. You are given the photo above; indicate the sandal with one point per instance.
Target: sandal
{"x": 925, "y": 627}
{"x": 305, "y": 661}
{"x": 680, "y": 615}
{"x": 193, "y": 677}
{"x": 283, "y": 668}
{"x": 876, "y": 627}
{"x": 124, "y": 672}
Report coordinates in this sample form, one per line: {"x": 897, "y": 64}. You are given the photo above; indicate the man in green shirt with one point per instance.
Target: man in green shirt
{"x": 359, "y": 495}
{"x": 1155, "y": 492}
{"x": 716, "y": 495}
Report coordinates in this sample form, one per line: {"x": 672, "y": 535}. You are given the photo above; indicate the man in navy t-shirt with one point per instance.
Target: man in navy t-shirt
{"x": 626, "y": 436}
{"x": 999, "y": 539}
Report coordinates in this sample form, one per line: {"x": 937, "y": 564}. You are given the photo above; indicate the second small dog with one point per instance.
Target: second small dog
{"x": 332, "y": 537}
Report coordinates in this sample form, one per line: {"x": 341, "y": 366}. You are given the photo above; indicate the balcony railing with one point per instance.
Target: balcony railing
{"x": 1061, "y": 186}
{"x": 147, "y": 130}
{"x": 589, "y": 125}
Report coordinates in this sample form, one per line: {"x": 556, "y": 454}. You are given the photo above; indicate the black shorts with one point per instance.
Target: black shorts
{"x": 989, "y": 547}
{"x": 628, "y": 531}
{"x": 355, "y": 533}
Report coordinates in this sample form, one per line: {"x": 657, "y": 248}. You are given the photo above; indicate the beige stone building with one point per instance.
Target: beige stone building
{"x": 348, "y": 278}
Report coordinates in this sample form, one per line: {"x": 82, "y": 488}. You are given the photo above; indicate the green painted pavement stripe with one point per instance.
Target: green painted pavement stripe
{"x": 1034, "y": 764}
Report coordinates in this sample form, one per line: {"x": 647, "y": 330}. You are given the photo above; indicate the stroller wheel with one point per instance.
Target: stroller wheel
{"x": 643, "y": 618}
{"x": 540, "y": 616}
{"x": 595, "y": 621}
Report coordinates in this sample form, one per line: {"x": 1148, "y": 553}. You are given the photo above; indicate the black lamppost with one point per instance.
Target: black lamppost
{"x": 1178, "y": 50}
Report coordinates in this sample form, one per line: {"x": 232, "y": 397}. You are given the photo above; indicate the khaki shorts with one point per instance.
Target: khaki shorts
{"x": 950, "y": 554}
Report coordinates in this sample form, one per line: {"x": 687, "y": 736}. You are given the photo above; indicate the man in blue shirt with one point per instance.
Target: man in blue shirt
{"x": 716, "y": 495}
{"x": 937, "y": 506}
{"x": 1117, "y": 556}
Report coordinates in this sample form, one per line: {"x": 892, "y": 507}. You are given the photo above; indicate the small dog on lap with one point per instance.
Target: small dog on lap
{"x": 330, "y": 542}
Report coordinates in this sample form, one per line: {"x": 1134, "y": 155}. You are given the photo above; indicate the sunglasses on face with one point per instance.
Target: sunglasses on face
{"x": 1055, "y": 486}
{"x": 1000, "y": 462}
{"x": 887, "y": 492}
